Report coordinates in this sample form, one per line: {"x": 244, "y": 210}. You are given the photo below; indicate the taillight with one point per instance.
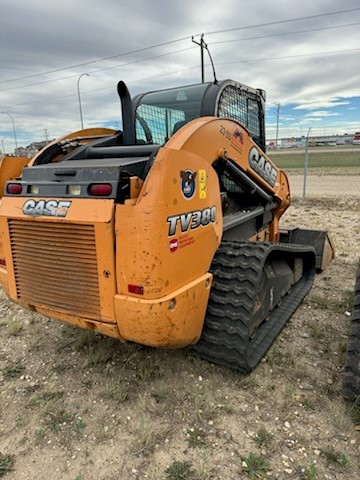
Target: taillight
{"x": 3, "y": 262}
{"x": 138, "y": 289}
{"x": 100, "y": 189}
{"x": 14, "y": 188}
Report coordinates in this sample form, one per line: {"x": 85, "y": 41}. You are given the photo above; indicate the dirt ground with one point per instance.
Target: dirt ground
{"x": 79, "y": 406}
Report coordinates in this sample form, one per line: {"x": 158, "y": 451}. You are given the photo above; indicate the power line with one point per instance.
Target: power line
{"x": 291, "y": 56}
{"x": 284, "y": 33}
{"x": 188, "y": 37}
{"x": 279, "y": 22}
{"x": 182, "y": 50}
{"x": 107, "y": 88}
{"x": 97, "y": 70}
{"x": 193, "y": 68}
{"x": 98, "y": 60}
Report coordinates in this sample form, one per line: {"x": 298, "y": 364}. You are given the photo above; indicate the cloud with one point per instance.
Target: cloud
{"x": 313, "y": 105}
{"x": 322, "y": 113}
{"x": 101, "y": 38}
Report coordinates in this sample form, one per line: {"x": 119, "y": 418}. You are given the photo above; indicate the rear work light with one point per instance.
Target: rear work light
{"x": 74, "y": 190}
{"x": 100, "y": 189}
{"x": 14, "y": 188}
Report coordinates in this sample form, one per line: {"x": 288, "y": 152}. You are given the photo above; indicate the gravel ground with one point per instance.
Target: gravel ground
{"x": 325, "y": 185}
{"x": 79, "y": 406}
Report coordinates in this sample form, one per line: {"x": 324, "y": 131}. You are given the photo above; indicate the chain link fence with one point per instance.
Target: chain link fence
{"x": 319, "y": 166}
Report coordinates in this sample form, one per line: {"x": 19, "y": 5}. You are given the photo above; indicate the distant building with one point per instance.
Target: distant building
{"x": 31, "y": 149}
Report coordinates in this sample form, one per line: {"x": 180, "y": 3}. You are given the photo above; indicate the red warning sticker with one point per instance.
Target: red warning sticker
{"x": 173, "y": 245}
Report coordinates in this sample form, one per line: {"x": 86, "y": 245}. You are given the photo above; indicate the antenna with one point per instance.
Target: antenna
{"x": 203, "y": 46}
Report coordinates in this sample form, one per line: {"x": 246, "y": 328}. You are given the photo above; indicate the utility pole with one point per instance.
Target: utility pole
{"x": 306, "y": 161}
{"x": 277, "y": 123}
{"x": 202, "y": 45}
{"x": 46, "y": 133}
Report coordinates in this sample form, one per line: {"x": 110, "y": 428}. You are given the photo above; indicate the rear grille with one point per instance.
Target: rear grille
{"x": 55, "y": 266}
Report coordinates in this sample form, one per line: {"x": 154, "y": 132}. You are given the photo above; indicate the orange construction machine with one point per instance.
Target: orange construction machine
{"x": 166, "y": 233}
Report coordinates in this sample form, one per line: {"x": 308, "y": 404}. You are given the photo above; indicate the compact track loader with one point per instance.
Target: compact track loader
{"x": 166, "y": 233}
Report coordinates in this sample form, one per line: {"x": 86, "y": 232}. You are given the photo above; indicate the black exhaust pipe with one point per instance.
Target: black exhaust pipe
{"x": 127, "y": 114}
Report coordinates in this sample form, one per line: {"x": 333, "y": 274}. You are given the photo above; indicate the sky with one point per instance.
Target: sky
{"x": 306, "y": 55}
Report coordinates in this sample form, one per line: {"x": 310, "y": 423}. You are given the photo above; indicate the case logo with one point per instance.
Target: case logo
{"x": 188, "y": 183}
{"x": 262, "y": 166}
{"x": 49, "y": 208}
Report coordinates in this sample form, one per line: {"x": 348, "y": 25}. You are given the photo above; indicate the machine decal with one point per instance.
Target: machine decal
{"x": 186, "y": 240}
{"x": 183, "y": 241}
{"x": 202, "y": 183}
{"x": 191, "y": 220}
{"x": 237, "y": 140}
{"x": 173, "y": 245}
{"x": 224, "y": 131}
{"x": 262, "y": 167}
{"x": 188, "y": 184}
{"x": 50, "y": 208}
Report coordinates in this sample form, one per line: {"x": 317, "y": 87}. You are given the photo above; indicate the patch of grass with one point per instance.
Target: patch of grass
{"x": 79, "y": 427}
{"x": 279, "y": 357}
{"x": 180, "y": 471}
{"x": 160, "y": 391}
{"x": 46, "y": 399}
{"x": 40, "y": 433}
{"x": 334, "y": 304}
{"x": 84, "y": 338}
{"x": 349, "y": 297}
{"x": 13, "y": 372}
{"x": 117, "y": 391}
{"x": 315, "y": 330}
{"x": 264, "y": 438}
{"x": 149, "y": 368}
{"x": 309, "y": 405}
{"x": 100, "y": 353}
{"x": 228, "y": 409}
{"x": 6, "y": 463}
{"x": 14, "y": 328}
{"x": 310, "y": 472}
{"x": 334, "y": 457}
{"x": 317, "y": 159}
{"x": 255, "y": 466}
{"x": 145, "y": 437}
{"x": 196, "y": 438}
{"x": 56, "y": 418}
{"x": 204, "y": 406}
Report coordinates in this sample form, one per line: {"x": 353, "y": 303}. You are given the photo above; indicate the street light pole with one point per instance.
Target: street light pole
{"x": 78, "y": 90}
{"x": 3, "y": 146}
{"x": 13, "y": 124}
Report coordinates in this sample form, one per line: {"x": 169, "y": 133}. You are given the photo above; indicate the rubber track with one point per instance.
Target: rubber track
{"x": 237, "y": 269}
{"x": 351, "y": 380}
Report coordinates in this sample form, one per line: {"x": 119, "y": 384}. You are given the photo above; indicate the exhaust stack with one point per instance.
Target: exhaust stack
{"x": 127, "y": 114}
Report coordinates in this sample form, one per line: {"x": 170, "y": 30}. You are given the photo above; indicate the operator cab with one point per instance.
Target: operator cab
{"x": 158, "y": 115}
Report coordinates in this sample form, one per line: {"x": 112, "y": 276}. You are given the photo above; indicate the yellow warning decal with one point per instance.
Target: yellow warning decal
{"x": 202, "y": 183}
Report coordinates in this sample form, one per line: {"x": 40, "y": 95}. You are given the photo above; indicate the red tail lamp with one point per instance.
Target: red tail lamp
{"x": 14, "y": 188}
{"x": 100, "y": 189}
